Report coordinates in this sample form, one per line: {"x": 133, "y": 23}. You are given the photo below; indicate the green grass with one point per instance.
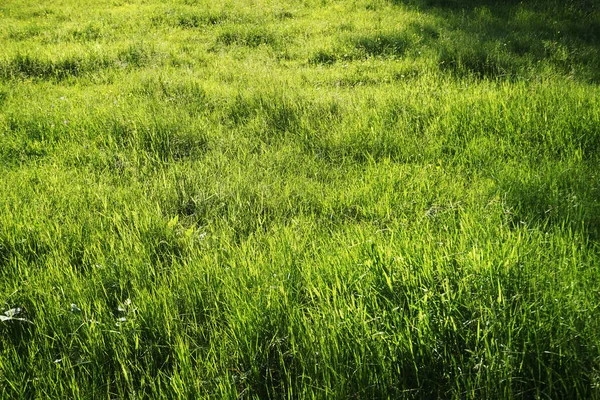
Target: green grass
{"x": 323, "y": 199}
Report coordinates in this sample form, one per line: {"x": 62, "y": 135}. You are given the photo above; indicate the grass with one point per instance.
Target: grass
{"x": 327, "y": 199}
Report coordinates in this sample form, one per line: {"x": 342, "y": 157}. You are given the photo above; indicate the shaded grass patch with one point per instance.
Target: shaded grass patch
{"x": 25, "y": 66}
{"x": 249, "y": 36}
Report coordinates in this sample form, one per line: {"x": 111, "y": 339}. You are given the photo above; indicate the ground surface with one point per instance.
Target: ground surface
{"x": 319, "y": 199}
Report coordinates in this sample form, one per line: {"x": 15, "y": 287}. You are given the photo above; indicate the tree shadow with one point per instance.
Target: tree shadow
{"x": 554, "y": 197}
{"x": 516, "y": 39}
{"x": 529, "y": 40}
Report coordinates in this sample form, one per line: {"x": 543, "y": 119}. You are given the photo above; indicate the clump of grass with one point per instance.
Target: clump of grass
{"x": 24, "y": 33}
{"x": 196, "y": 20}
{"x": 28, "y": 67}
{"x": 383, "y": 44}
{"x": 90, "y": 33}
{"x": 323, "y": 57}
{"x": 250, "y": 36}
{"x": 187, "y": 18}
{"x": 188, "y": 94}
{"x": 136, "y": 56}
{"x": 477, "y": 63}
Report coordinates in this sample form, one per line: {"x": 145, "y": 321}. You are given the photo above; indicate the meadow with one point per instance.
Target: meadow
{"x": 316, "y": 199}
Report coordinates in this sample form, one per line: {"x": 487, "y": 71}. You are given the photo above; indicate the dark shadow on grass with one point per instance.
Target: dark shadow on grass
{"x": 492, "y": 39}
{"x": 389, "y": 43}
{"x": 34, "y": 67}
{"x": 250, "y": 36}
{"x": 557, "y": 197}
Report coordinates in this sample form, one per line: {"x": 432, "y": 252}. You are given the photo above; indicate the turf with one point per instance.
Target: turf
{"x": 306, "y": 200}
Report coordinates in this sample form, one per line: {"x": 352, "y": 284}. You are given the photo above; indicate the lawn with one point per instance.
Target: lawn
{"x": 319, "y": 199}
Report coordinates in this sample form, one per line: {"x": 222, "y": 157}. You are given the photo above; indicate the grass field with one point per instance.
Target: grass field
{"x": 319, "y": 199}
